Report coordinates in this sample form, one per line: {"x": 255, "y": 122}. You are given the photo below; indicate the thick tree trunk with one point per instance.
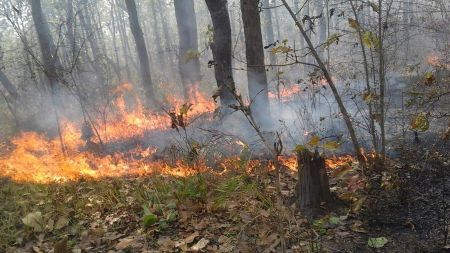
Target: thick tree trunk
{"x": 141, "y": 49}
{"x": 50, "y": 59}
{"x": 189, "y": 63}
{"x": 313, "y": 188}
{"x": 322, "y": 33}
{"x": 254, "y": 51}
{"x": 10, "y": 88}
{"x": 268, "y": 24}
{"x": 221, "y": 49}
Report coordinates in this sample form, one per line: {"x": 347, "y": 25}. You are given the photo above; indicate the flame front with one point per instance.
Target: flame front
{"x": 39, "y": 159}
{"x": 36, "y": 158}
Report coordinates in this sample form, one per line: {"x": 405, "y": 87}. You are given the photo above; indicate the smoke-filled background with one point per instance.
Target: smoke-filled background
{"x": 94, "y": 53}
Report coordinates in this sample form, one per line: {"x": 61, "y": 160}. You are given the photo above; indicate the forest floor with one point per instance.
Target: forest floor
{"x": 404, "y": 210}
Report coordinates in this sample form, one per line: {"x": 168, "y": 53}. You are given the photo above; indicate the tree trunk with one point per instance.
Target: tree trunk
{"x": 10, "y": 88}
{"x": 124, "y": 40}
{"x": 165, "y": 28}
{"x": 96, "y": 64}
{"x": 254, "y": 51}
{"x": 70, "y": 30}
{"x": 322, "y": 33}
{"x": 313, "y": 188}
{"x": 189, "y": 63}
{"x": 159, "y": 50}
{"x": 270, "y": 37}
{"x": 114, "y": 42}
{"x": 49, "y": 57}
{"x": 221, "y": 49}
{"x": 382, "y": 80}
{"x": 141, "y": 49}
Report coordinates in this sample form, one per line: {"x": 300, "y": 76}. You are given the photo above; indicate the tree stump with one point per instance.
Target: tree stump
{"x": 313, "y": 188}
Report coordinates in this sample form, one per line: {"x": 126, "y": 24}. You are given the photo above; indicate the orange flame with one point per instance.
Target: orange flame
{"x": 36, "y": 158}
{"x": 286, "y": 94}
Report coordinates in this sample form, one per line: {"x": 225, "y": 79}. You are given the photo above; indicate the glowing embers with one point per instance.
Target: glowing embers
{"x": 332, "y": 162}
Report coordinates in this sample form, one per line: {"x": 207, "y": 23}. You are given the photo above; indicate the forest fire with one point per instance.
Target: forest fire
{"x": 37, "y": 158}
{"x": 133, "y": 123}
{"x": 286, "y": 93}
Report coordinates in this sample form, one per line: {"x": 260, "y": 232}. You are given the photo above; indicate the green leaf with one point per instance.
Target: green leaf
{"x": 150, "y": 219}
{"x": 163, "y": 224}
{"x": 171, "y": 216}
{"x": 146, "y": 209}
{"x": 172, "y": 205}
{"x": 334, "y": 221}
{"x": 370, "y": 40}
{"x": 377, "y": 242}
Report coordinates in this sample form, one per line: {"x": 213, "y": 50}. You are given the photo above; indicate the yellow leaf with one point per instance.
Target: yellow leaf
{"x": 281, "y": 49}
{"x": 191, "y": 55}
{"x": 185, "y": 108}
{"x": 420, "y": 122}
{"x": 369, "y": 97}
{"x": 429, "y": 78}
{"x": 299, "y": 148}
{"x": 331, "y": 145}
{"x": 370, "y": 40}
{"x": 314, "y": 142}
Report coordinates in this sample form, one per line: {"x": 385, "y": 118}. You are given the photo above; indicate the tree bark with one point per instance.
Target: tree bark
{"x": 141, "y": 49}
{"x": 157, "y": 36}
{"x": 322, "y": 33}
{"x": 50, "y": 59}
{"x": 70, "y": 30}
{"x": 270, "y": 37}
{"x": 96, "y": 64}
{"x": 10, "y": 88}
{"x": 313, "y": 187}
{"x": 124, "y": 40}
{"x": 254, "y": 51}
{"x": 189, "y": 63}
{"x": 221, "y": 49}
